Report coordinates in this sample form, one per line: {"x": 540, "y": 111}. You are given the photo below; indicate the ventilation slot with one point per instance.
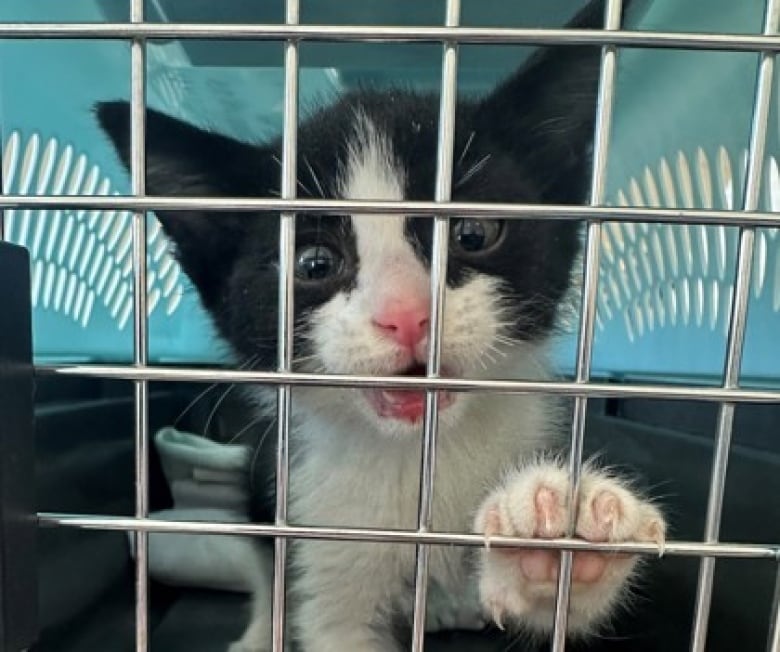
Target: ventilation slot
{"x": 666, "y": 275}
{"x": 80, "y": 257}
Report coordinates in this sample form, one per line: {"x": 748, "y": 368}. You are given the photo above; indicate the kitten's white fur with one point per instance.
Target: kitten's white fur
{"x": 352, "y": 468}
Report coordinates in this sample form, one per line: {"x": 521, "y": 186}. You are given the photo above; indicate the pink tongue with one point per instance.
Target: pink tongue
{"x": 403, "y": 404}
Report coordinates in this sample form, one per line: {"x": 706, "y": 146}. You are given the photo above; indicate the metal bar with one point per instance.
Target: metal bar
{"x": 140, "y": 334}
{"x": 737, "y": 323}
{"x": 441, "y": 229}
{"x": 409, "y": 208}
{"x": 412, "y": 537}
{"x": 606, "y": 93}
{"x": 2, "y": 151}
{"x": 399, "y": 34}
{"x": 286, "y": 320}
{"x": 559, "y": 388}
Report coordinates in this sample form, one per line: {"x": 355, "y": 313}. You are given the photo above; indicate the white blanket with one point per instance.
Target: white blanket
{"x": 207, "y": 483}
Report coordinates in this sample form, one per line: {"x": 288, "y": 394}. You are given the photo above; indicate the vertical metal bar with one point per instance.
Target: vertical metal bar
{"x": 737, "y": 323}
{"x": 606, "y": 93}
{"x": 2, "y": 153}
{"x": 286, "y": 319}
{"x": 2, "y": 187}
{"x": 2, "y": 190}
{"x": 443, "y": 192}
{"x": 140, "y": 335}
{"x": 773, "y": 644}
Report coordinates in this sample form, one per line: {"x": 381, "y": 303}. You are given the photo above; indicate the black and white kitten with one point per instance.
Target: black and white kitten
{"x": 362, "y": 299}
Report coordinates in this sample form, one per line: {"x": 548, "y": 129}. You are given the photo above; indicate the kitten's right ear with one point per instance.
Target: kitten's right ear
{"x": 183, "y": 160}
{"x": 543, "y": 116}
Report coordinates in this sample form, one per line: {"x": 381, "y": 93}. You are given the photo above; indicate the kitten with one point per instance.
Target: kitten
{"x": 361, "y": 301}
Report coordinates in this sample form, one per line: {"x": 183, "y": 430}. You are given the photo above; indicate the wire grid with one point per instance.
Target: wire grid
{"x": 581, "y": 388}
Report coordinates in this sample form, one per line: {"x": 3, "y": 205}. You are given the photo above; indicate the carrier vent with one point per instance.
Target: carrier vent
{"x": 81, "y": 259}
{"x": 660, "y": 276}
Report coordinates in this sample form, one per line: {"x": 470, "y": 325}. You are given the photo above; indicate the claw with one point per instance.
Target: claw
{"x": 660, "y": 541}
{"x": 497, "y": 613}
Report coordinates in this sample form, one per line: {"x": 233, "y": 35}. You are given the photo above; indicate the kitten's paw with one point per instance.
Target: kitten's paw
{"x": 521, "y": 584}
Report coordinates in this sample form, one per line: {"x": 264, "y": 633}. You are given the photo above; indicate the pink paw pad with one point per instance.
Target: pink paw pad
{"x": 544, "y": 565}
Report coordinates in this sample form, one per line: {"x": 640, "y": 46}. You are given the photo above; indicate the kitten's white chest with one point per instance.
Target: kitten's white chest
{"x": 356, "y": 479}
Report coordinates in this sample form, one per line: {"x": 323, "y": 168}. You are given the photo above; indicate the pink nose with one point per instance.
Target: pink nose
{"x": 405, "y": 324}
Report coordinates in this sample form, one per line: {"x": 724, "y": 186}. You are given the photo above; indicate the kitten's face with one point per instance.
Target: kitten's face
{"x": 362, "y": 290}
{"x": 371, "y": 313}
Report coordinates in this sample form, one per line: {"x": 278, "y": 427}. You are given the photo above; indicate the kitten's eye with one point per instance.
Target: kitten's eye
{"x": 472, "y": 235}
{"x": 316, "y": 263}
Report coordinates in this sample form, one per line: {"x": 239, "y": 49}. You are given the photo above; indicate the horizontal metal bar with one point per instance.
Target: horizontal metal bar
{"x": 399, "y": 34}
{"x": 412, "y": 208}
{"x": 590, "y": 389}
{"x": 676, "y": 548}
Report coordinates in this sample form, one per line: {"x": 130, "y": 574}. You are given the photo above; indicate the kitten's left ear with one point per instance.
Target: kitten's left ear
{"x": 544, "y": 115}
{"x": 183, "y": 160}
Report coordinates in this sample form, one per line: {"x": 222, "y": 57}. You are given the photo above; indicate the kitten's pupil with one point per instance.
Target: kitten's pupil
{"x": 474, "y": 235}
{"x": 315, "y": 263}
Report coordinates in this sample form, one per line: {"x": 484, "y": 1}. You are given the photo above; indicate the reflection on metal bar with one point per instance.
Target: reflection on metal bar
{"x": 2, "y": 185}
{"x": 676, "y": 548}
{"x": 606, "y": 94}
{"x": 286, "y": 321}
{"x": 411, "y": 208}
{"x": 737, "y": 323}
{"x": 140, "y": 331}
{"x": 590, "y": 389}
{"x": 443, "y": 192}
{"x": 492, "y": 35}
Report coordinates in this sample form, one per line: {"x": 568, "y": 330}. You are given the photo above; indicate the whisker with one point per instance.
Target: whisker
{"x": 466, "y": 148}
{"x": 300, "y": 183}
{"x": 237, "y": 436}
{"x": 192, "y": 404}
{"x": 304, "y": 188}
{"x": 302, "y": 360}
{"x": 247, "y": 363}
{"x": 496, "y": 350}
{"x": 214, "y": 410}
{"x": 314, "y": 177}
{"x": 474, "y": 169}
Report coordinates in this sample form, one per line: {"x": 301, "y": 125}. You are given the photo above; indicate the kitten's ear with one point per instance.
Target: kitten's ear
{"x": 183, "y": 160}
{"x": 544, "y": 114}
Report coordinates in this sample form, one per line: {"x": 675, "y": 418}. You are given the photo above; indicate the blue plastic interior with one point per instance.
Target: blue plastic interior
{"x": 681, "y": 127}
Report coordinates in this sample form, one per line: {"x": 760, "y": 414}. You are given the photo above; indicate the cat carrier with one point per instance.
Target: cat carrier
{"x": 115, "y": 398}
{"x": 664, "y": 290}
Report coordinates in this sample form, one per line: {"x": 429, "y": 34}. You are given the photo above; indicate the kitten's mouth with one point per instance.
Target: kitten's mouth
{"x": 405, "y": 404}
